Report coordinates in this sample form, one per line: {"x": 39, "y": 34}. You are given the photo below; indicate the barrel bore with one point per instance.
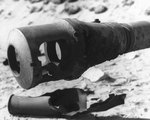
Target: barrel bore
{"x": 13, "y": 60}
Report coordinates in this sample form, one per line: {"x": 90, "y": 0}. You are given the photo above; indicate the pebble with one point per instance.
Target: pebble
{"x": 128, "y": 2}
{"x": 34, "y": 1}
{"x": 147, "y": 11}
{"x": 57, "y": 1}
{"x": 91, "y": 8}
{"x": 30, "y": 23}
{"x": 1, "y": 11}
{"x": 35, "y": 9}
{"x": 72, "y": 9}
{"x": 46, "y": 2}
{"x": 72, "y": 0}
{"x": 100, "y": 9}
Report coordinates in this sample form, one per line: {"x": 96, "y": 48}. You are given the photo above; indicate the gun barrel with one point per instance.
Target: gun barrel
{"x": 141, "y": 31}
{"x": 106, "y": 41}
{"x": 38, "y": 106}
{"x": 81, "y": 45}
{"x": 59, "y": 102}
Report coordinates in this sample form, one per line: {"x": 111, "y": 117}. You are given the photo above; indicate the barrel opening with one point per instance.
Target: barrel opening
{"x": 13, "y": 60}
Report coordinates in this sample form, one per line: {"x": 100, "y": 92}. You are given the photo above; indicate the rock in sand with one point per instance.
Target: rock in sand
{"x": 100, "y": 9}
{"x": 34, "y": 1}
{"x": 72, "y": 9}
{"x": 72, "y": 0}
{"x": 57, "y": 1}
{"x": 147, "y": 11}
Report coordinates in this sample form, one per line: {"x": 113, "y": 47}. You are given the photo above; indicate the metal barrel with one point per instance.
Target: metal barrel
{"x": 59, "y": 102}
{"x": 105, "y": 41}
{"x": 141, "y": 31}
{"x": 23, "y": 52}
{"x": 81, "y": 45}
{"x": 31, "y": 106}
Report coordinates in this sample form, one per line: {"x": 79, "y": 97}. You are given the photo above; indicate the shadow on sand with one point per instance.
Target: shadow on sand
{"x": 93, "y": 117}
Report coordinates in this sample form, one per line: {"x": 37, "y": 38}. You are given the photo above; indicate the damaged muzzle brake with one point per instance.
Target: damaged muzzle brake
{"x": 70, "y": 46}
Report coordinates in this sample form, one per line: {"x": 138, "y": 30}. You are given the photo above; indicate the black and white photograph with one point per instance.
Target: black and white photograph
{"x": 74, "y": 59}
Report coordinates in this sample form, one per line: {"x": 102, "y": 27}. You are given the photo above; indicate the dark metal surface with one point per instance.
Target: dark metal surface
{"x": 59, "y": 102}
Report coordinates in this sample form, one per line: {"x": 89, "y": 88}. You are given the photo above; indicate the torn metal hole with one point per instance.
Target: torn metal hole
{"x": 61, "y": 100}
{"x": 69, "y": 101}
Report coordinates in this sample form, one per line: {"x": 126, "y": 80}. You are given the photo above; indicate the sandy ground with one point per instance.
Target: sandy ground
{"x": 131, "y": 72}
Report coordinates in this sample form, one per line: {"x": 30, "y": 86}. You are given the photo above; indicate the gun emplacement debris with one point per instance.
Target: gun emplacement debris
{"x": 71, "y": 46}
{"x": 70, "y": 102}
{"x": 60, "y": 102}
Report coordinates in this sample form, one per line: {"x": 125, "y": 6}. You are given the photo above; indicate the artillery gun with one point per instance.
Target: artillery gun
{"x": 70, "y": 47}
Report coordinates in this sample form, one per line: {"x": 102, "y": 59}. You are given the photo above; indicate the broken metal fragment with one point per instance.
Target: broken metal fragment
{"x": 112, "y": 101}
{"x": 68, "y": 102}
{"x": 60, "y": 102}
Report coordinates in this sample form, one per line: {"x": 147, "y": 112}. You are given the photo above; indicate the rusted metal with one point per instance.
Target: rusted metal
{"x": 68, "y": 102}
{"x": 60, "y": 102}
{"x": 80, "y": 44}
{"x": 33, "y": 106}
